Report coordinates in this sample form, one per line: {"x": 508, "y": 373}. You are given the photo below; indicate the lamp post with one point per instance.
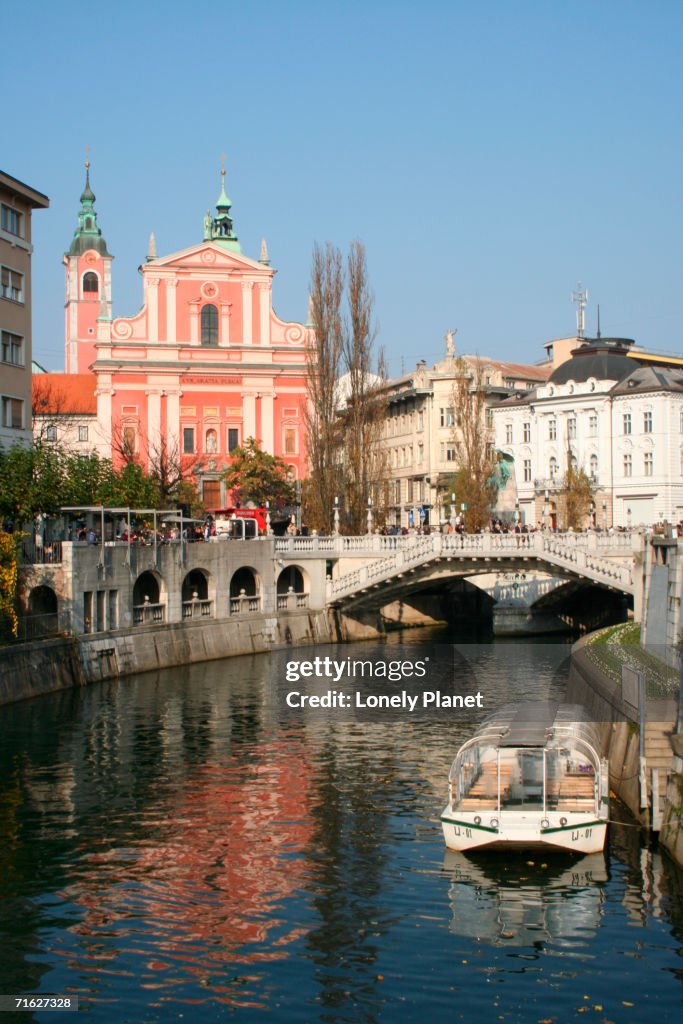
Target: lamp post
{"x": 463, "y": 509}
{"x": 453, "y": 510}
{"x": 268, "y": 529}
{"x": 593, "y": 516}
{"x": 369, "y": 515}
{"x": 604, "y": 516}
{"x": 546, "y": 500}
{"x": 517, "y": 512}
{"x": 336, "y": 516}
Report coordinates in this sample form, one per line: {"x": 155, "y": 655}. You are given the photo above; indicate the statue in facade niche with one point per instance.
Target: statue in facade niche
{"x": 208, "y": 224}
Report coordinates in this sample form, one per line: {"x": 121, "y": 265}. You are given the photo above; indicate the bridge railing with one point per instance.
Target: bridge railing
{"x": 378, "y": 544}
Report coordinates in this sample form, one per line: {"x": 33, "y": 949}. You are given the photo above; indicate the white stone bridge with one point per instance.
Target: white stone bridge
{"x": 387, "y": 566}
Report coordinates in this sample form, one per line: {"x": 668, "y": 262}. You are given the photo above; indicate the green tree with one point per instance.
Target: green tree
{"x": 255, "y": 476}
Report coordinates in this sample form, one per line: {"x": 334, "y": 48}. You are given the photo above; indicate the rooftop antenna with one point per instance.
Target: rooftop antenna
{"x": 403, "y": 365}
{"x": 599, "y": 335}
{"x": 580, "y": 297}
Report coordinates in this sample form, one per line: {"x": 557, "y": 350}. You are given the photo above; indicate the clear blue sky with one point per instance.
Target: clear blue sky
{"x": 489, "y": 154}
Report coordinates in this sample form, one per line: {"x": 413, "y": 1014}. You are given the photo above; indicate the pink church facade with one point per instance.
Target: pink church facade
{"x": 203, "y": 366}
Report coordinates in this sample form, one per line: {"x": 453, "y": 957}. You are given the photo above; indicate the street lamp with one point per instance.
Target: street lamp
{"x": 546, "y": 501}
{"x": 604, "y": 516}
{"x": 369, "y": 515}
{"x": 452, "y": 509}
{"x": 463, "y": 508}
{"x": 336, "y": 516}
{"x": 517, "y": 512}
{"x": 268, "y": 530}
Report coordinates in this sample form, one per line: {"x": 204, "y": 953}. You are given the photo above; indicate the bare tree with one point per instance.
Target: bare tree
{"x": 577, "y": 495}
{"x": 323, "y": 364}
{"x": 363, "y": 415}
{"x": 474, "y": 480}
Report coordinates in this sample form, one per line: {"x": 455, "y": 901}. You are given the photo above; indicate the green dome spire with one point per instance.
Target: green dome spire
{"x": 87, "y": 235}
{"x": 219, "y": 228}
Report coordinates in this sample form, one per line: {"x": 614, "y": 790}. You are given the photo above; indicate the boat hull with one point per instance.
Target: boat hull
{"x": 574, "y": 833}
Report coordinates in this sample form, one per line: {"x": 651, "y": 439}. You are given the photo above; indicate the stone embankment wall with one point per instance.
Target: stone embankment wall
{"x": 34, "y": 669}
{"x": 620, "y": 737}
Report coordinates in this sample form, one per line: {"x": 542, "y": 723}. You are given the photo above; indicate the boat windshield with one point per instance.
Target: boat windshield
{"x": 564, "y": 775}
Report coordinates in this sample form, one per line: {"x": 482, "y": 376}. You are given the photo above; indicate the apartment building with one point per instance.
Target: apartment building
{"x": 17, "y": 203}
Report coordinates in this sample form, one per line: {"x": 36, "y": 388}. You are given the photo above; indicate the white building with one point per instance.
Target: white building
{"x": 621, "y": 422}
{"x": 420, "y": 425}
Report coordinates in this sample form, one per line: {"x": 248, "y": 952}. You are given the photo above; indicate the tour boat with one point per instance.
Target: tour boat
{"x": 531, "y": 776}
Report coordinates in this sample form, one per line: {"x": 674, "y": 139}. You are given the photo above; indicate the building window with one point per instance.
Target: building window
{"x": 552, "y": 469}
{"x": 628, "y": 465}
{"x": 420, "y": 452}
{"x": 188, "y": 440}
{"x": 211, "y": 440}
{"x": 12, "y": 348}
{"x": 420, "y": 420}
{"x": 508, "y": 433}
{"x": 12, "y": 221}
{"x": 233, "y": 439}
{"x": 594, "y": 467}
{"x": 51, "y": 433}
{"x": 450, "y": 454}
{"x": 527, "y": 470}
{"x": 648, "y": 463}
{"x": 571, "y": 428}
{"x": 11, "y": 284}
{"x": 647, "y": 422}
{"x": 290, "y": 440}
{"x": 447, "y": 417}
{"x": 489, "y": 418}
{"x": 593, "y": 425}
{"x": 12, "y": 413}
{"x": 627, "y": 422}
{"x": 91, "y": 283}
{"x": 552, "y": 430}
{"x": 527, "y": 433}
{"x": 209, "y": 325}
{"x": 83, "y": 433}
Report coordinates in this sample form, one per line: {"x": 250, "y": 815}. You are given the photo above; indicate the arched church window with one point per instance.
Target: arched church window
{"x": 553, "y": 469}
{"x": 88, "y": 223}
{"x": 209, "y": 325}
{"x": 211, "y": 440}
{"x": 90, "y": 282}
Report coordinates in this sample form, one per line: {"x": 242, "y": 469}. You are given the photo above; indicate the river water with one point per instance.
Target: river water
{"x": 184, "y": 846}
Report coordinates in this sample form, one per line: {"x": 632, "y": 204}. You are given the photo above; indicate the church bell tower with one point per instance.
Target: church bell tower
{"x": 88, "y": 284}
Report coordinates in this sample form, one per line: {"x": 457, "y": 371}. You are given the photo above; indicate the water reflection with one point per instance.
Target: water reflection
{"x": 175, "y": 842}
{"x": 513, "y": 901}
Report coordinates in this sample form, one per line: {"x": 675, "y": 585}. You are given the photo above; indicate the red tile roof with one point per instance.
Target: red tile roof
{"x": 68, "y": 394}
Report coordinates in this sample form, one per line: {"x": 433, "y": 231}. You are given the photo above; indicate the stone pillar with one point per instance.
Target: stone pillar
{"x": 171, "y": 287}
{"x": 267, "y": 421}
{"x": 247, "y": 327}
{"x": 194, "y": 322}
{"x": 173, "y": 419}
{"x": 224, "y": 333}
{"x": 264, "y": 312}
{"x": 248, "y": 414}
{"x": 153, "y": 308}
{"x": 153, "y": 421}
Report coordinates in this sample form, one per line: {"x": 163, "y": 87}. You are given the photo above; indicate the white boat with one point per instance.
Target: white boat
{"x": 531, "y": 776}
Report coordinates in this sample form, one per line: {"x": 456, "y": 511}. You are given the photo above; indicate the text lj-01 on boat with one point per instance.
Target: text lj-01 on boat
{"x": 531, "y": 776}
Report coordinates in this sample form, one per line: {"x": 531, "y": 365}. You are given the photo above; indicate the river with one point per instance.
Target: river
{"x": 186, "y": 846}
